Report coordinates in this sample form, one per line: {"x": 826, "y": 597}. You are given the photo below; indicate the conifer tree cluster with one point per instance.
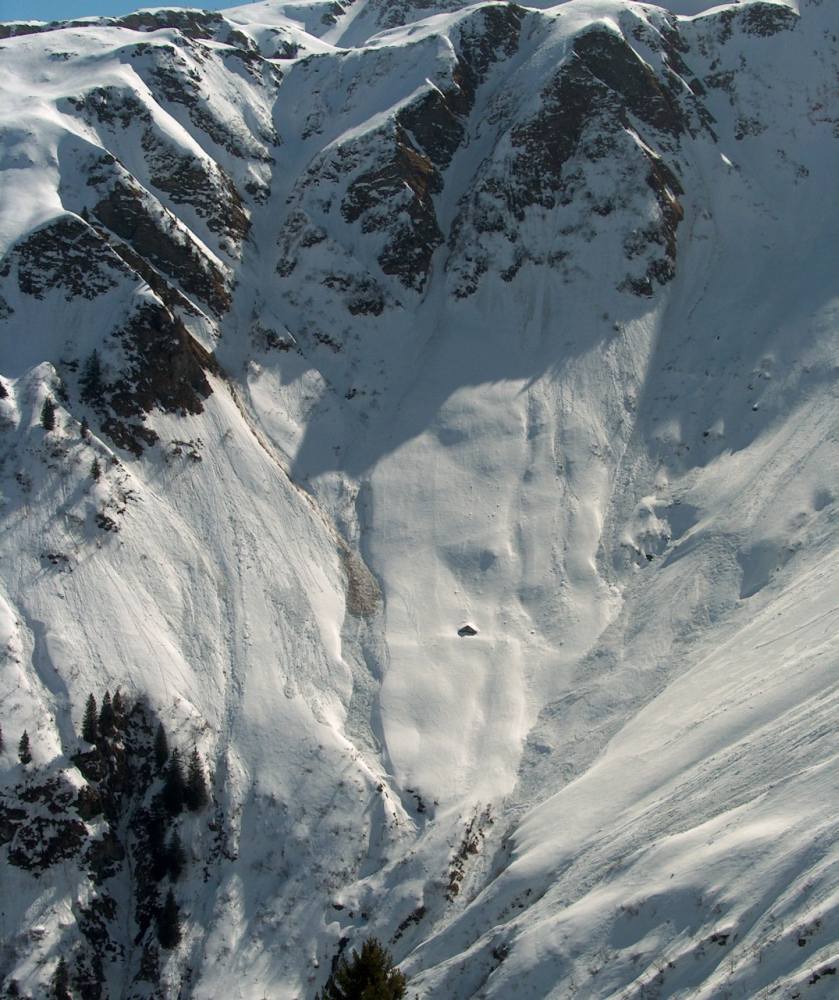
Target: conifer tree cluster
{"x": 106, "y": 723}
{"x": 367, "y": 975}
{"x": 161, "y": 747}
{"x": 85, "y": 981}
{"x": 136, "y": 776}
{"x": 166, "y": 850}
{"x": 169, "y": 923}
{"x": 181, "y": 790}
{"x": 61, "y": 981}
{"x": 175, "y": 856}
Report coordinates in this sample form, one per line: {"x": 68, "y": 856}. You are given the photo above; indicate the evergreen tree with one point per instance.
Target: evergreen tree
{"x": 156, "y": 823}
{"x": 95, "y": 469}
{"x": 169, "y": 923}
{"x": 370, "y": 975}
{"x": 61, "y": 981}
{"x": 90, "y": 381}
{"x": 48, "y": 414}
{"x": 4, "y": 392}
{"x": 106, "y": 716}
{"x": 84, "y": 429}
{"x": 90, "y": 726}
{"x": 119, "y": 708}
{"x": 196, "y": 796}
{"x": 175, "y": 856}
{"x": 174, "y": 786}
{"x": 161, "y": 747}
{"x": 24, "y": 752}
{"x": 88, "y": 977}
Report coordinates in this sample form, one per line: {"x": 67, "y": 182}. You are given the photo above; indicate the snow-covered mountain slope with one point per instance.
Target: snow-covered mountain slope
{"x": 366, "y": 322}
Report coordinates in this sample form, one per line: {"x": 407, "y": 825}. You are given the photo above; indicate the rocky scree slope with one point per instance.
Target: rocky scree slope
{"x": 367, "y": 321}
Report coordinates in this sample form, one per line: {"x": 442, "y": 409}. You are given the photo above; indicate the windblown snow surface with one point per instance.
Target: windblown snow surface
{"x": 521, "y": 317}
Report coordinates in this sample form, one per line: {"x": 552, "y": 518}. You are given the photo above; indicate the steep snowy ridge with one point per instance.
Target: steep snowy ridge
{"x": 364, "y": 322}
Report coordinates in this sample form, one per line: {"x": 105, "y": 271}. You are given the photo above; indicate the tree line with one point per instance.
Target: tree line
{"x": 178, "y": 787}
{"x": 124, "y": 759}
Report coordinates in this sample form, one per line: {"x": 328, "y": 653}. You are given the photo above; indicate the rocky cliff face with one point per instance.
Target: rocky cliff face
{"x": 444, "y": 445}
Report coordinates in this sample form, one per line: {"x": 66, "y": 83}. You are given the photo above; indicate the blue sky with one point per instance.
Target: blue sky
{"x": 57, "y": 10}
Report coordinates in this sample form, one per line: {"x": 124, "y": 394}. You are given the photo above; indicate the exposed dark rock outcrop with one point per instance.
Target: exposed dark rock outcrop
{"x": 589, "y": 111}
{"x": 608, "y": 58}
{"x": 105, "y": 821}
{"x": 761, "y": 19}
{"x": 187, "y": 180}
{"x": 65, "y": 254}
{"x": 132, "y": 214}
{"x": 198, "y": 184}
{"x": 392, "y": 13}
{"x": 175, "y": 81}
{"x": 490, "y": 35}
{"x": 396, "y": 197}
{"x": 197, "y": 24}
{"x": 165, "y": 369}
{"x": 39, "y": 824}
{"x": 111, "y": 106}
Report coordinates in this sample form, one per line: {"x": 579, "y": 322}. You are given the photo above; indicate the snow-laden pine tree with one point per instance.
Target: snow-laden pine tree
{"x": 161, "y": 747}
{"x": 90, "y": 723}
{"x": 196, "y": 796}
{"x": 24, "y": 751}
{"x": 367, "y": 975}
{"x": 48, "y": 414}
{"x": 174, "y": 784}
{"x": 169, "y": 923}
{"x": 106, "y": 716}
